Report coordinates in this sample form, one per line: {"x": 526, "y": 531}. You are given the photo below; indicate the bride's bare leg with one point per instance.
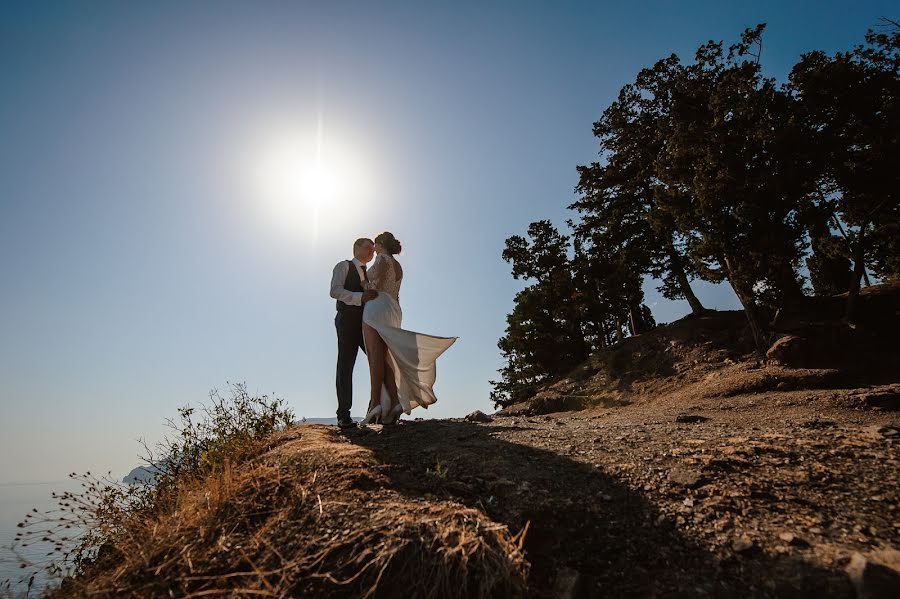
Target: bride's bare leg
{"x": 375, "y": 349}
{"x": 390, "y": 382}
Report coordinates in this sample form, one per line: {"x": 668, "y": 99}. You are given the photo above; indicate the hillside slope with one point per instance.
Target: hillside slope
{"x": 675, "y": 464}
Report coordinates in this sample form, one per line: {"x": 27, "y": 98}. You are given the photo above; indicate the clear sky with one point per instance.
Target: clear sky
{"x": 156, "y": 242}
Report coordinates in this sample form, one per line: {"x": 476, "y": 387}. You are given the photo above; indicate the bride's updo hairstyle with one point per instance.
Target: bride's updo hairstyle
{"x": 390, "y": 243}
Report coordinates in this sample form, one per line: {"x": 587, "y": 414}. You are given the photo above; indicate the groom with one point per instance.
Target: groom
{"x": 347, "y": 287}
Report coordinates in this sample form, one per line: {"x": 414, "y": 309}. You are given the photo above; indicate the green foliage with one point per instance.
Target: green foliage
{"x": 731, "y": 145}
{"x": 709, "y": 170}
{"x": 574, "y": 305}
{"x": 850, "y": 105}
{"x": 624, "y": 204}
{"x": 208, "y": 439}
{"x": 544, "y": 331}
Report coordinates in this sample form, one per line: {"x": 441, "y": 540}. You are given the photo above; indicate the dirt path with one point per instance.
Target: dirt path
{"x": 746, "y": 496}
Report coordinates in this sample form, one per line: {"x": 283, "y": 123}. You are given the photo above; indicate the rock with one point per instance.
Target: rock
{"x": 690, "y": 418}
{"x": 723, "y": 523}
{"x": 885, "y": 399}
{"x": 742, "y": 544}
{"x": 685, "y": 477}
{"x": 567, "y": 584}
{"x": 479, "y": 416}
{"x": 875, "y": 577}
{"x": 792, "y": 539}
{"x": 790, "y": 351}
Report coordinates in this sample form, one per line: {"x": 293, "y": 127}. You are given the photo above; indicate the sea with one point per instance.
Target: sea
{"x": 17, "y": 499}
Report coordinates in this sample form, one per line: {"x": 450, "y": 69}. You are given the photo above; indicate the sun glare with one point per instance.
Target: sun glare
{"x": 305, "y": 179}
{"x": 319, "y": 184}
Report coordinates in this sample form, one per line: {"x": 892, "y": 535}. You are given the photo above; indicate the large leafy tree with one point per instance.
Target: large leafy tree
{"x": 731, "y": 147}
{"x": 709, "y": 170}
{"x": 572, "y": 306}
{"x": 851, "y": 103}
{"x": 623, "y": 203}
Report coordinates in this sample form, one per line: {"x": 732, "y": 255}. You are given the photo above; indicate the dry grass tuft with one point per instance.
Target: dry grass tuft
{"x": 308, "y": 514}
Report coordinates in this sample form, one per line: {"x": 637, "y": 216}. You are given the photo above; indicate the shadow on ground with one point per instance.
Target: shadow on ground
{"x": 589, "y": 535}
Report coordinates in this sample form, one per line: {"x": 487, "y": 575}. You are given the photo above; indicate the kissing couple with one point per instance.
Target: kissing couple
{"x": 401, "y": 362}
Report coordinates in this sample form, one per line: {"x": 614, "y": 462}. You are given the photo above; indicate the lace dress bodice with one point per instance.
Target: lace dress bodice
{"x": 385, "y": 276}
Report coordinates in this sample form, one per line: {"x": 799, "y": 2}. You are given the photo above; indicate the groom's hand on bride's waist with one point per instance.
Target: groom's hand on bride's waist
{"x": 369, "y": 295}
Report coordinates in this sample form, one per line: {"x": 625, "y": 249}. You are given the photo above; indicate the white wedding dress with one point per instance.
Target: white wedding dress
{"x": 410, "y": 355}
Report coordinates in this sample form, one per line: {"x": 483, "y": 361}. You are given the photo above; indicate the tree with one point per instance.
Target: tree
{"x": 731, "y": 147}
{"x": 544, "y": 336}
{"x": 829, "y": 264}
{"x": 852, "y": 102}
{"x": 609, "y": 290}
{"x": 622, "y": 200}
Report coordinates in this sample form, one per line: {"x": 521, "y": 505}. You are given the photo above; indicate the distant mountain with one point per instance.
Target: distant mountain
{"x": 141, "y": 474}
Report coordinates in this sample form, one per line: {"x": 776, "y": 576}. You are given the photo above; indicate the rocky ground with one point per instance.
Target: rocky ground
{"x": 680, "y": 464}
{"x": 782, "y": 493}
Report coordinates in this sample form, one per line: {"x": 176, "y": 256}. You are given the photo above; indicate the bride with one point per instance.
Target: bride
{"x": 401, "y": 362}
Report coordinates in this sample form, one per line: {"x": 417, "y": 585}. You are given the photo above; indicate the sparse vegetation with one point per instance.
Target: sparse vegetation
{"x": 89, "y": 526}
{"x": 244, "y": 505}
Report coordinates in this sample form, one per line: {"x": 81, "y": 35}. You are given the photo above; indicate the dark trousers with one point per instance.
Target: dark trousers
{"x": 350, "y": 340}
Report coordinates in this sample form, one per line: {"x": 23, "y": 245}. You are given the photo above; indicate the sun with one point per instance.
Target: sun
{"x": 305, "y": 179}
{"x": 320, "y": 185}
{"x": 292, "y": 175}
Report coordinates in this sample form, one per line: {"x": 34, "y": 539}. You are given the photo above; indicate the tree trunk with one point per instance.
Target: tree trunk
{"x": 746, "y": 299}
{"x": 619, "y": 336}
{"x": 677, "y": 269}
{"x": 859, "y": 269}
{"x": 632, "y": 323}
{"x": 788, "y": 282}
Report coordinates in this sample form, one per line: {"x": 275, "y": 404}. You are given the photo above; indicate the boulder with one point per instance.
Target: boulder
{"x": 790, "y": 351}
{"x": 479, "y": 416}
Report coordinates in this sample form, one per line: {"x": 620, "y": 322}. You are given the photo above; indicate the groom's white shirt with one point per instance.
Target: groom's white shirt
{"x": 338, "y": 292}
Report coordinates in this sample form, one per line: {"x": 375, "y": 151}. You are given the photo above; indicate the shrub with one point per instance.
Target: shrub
{"x": 86, "y": 525}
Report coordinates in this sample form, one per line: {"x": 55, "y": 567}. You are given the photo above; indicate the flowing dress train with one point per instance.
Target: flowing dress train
{"x": 412, "y": 356}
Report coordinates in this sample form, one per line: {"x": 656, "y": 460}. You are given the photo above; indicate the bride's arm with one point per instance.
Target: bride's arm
{"x": 377, "y": 272}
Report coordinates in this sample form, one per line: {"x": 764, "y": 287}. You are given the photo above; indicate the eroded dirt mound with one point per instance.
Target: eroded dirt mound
{"x": 712, "y": 355}
{"x": 310, "y": 516}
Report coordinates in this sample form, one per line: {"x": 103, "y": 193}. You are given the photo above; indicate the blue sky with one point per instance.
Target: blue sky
{"x": 142, "y": 263}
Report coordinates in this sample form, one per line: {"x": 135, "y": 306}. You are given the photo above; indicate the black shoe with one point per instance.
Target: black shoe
{"x": 346, "y": 422}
